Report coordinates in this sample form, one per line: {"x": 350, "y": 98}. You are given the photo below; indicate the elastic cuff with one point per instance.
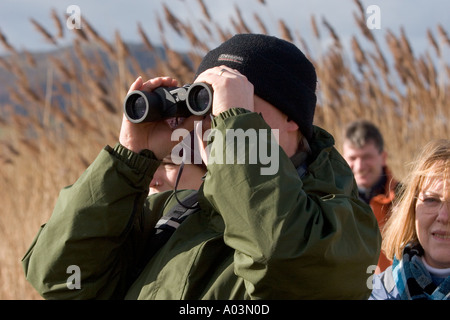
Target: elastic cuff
{"x": 141, "y": 161}
{"x": 233, "y": 112}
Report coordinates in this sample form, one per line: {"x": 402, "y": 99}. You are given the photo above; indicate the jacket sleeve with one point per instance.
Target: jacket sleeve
{"x": 294, "y": 238}
{"x": 89, "y": 248}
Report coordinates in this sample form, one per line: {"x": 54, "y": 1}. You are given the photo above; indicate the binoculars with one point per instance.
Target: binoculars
{"x": 164, "y": 103}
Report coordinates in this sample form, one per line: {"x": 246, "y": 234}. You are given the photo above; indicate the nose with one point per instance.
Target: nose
{"x": 444, "y": 212}
{"x": 357, "y": 164}
{"x": 155, "y": 183}
{"x": 157, "y": 177}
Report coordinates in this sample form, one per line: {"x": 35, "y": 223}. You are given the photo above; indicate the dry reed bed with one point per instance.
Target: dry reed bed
{"x": 50, "y": 147}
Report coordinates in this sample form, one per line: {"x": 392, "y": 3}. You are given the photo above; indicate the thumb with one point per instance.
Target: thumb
{"x": 137, "y": 84}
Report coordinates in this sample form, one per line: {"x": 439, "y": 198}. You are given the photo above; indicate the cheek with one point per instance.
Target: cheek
{"x": 423, "y": 224}
{"x": 418, "y": 229}
{"x": 350, "y": 163}
{"x": 159, "y": 173}
{"x": 171, "y": 175}
{"x": 369, "y": 164}
{"x": 192, "y": 175}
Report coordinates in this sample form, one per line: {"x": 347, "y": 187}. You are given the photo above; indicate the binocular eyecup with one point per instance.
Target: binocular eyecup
{"x": 164, "y": 103}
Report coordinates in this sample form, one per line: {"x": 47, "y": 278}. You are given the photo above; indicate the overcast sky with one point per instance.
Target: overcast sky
{"x": 415, "y": 16}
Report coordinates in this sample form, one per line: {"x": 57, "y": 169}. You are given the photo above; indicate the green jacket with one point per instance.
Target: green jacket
{"x": 256, "y": 236}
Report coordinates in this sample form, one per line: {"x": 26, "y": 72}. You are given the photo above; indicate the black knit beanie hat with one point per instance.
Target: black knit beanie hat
{"x": 279, "y": 71}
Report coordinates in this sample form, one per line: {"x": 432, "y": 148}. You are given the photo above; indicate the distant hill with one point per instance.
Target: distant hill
{"x": 35, "y": 65}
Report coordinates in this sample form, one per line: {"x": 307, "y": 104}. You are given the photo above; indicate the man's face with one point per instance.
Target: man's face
{"x": 366, "y": 163}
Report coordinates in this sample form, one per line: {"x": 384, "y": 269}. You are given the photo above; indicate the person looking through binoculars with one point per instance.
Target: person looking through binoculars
{"x": 300, "y": 232}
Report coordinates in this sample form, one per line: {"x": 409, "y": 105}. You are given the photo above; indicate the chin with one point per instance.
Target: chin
{"x": 363, "y": 185}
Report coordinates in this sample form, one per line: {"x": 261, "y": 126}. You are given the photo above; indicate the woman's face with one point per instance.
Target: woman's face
{"x": 432, "y": 222}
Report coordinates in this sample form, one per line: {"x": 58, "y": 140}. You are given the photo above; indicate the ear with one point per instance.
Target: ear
{"x": 291, "y": 125}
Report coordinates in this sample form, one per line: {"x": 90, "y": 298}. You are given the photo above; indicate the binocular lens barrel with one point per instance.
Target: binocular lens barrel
{"x": 164, "y": 103}
{"x": 140, "y": 106}
{"x": 199, "y": 98}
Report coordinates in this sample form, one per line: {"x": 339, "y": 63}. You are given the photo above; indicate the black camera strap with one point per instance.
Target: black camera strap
{"x": 169, "y": 223}
{"x": 165, "y": 227}
{"x": 185, "y": 204}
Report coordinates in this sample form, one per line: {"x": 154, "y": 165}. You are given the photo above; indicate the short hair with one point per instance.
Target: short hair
{"x": 361, "y": 132}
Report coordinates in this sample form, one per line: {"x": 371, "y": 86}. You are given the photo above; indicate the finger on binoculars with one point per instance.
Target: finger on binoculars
{"x": 158, "y": 82}
{"x": 136, "y": 84}
{"x": 222, "y": 70}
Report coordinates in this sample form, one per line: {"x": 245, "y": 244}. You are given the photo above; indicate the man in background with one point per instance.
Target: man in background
{"x": 363, "y": 149}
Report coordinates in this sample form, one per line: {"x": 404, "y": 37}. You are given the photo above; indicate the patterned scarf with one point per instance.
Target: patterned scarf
{"x": 413, "y": 280}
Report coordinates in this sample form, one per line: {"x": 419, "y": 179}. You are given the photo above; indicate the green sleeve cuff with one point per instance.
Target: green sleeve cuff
{"x": 233, "y": 112}
{"x": 142, "y": 161}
